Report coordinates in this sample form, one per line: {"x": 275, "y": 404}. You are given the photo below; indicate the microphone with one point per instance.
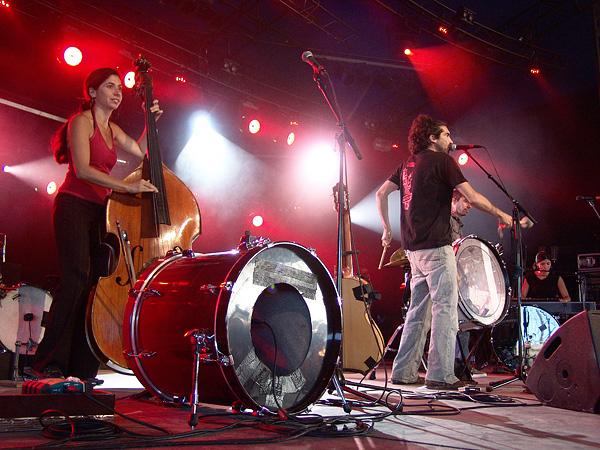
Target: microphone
{"x": 579, "y": 197}
{"x": 463, "y": 147}
{"x": 308, "y": 57}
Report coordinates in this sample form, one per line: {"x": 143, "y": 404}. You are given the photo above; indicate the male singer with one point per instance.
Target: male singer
{"x": 426, "y": 182}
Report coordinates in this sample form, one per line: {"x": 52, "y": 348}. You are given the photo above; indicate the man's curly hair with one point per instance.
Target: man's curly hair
{"x": 422, "y": 127}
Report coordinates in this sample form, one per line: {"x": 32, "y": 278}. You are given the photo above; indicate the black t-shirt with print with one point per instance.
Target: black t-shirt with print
{"x": 426, "y": 181}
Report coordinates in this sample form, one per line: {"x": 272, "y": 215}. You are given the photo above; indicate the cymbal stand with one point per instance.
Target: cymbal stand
{"x": 517, "y": 252}
{"x": 343, "y": 138}
{"x": 15, "y": 374}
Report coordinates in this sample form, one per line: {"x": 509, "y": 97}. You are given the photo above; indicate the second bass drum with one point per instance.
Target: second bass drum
{"x": 483, "y": 286}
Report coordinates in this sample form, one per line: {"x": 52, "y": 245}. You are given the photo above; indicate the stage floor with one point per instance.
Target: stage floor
{"x": 507, "y": 418}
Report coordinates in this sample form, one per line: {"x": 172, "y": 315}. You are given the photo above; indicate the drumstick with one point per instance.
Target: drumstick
{"x": 382, "y": 257}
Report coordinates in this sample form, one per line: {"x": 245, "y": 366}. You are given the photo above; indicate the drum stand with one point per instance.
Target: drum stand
{"x": 388, "y": 347}
{"x": 204, "y": 345}
{"x": 343, "y": 138}
{"x": 15, "y": 375}
{"x": 518, "y": 267}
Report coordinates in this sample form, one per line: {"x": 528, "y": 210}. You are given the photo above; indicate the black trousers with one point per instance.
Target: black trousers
{"x": 77, "y": 228}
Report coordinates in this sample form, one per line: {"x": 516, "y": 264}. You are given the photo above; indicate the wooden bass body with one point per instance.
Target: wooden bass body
{"x": 148, "y": 242}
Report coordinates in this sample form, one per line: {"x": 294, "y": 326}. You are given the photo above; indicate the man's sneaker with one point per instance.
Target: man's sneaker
{"x": 441, "y": 386}
{"x": 419, "y": 381}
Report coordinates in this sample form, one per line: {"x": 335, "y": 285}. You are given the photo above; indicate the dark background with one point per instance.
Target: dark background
{"x": 540, "y": 132}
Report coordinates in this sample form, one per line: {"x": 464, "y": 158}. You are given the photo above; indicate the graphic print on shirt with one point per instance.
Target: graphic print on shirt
{"x": 407, "y": 180}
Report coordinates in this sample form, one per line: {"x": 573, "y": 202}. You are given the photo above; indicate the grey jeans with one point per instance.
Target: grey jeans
{"x": 433, "y": 305}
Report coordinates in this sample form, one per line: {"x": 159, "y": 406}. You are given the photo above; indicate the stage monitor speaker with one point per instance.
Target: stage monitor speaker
{"x": 566, "y": 371}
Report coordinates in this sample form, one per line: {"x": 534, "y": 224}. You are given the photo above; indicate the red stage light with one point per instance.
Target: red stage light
{"x": 180, "y": 79}
{"x": 534, "y": 71}
{"x": 257, "y": 220}
{"x": 254, "y": 126}
{"x": 5, "y": 4}
{"x": 463, "y": 159}
{"x": 129, "y": 80}
{"x": 73, "y": 56}
{"x": 443, "y": 29}
{"x": 408, "y": 52}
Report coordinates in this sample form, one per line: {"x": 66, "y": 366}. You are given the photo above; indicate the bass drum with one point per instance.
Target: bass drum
{"x": 273, "y": 313}
{"x": 536, "y": 328}
{"x": 483, "y": 286}
{"x": 23, "y": 312}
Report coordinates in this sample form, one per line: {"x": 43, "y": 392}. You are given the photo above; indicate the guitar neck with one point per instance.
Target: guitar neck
{"x": 347, "y": 269}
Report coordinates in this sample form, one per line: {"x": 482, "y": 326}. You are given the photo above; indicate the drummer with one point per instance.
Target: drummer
{"x": 540, "y": 284}
{"x": 459, "y": 208}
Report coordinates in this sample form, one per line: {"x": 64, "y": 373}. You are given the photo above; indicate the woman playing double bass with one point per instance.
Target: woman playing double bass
{"x": 87, "y": 143}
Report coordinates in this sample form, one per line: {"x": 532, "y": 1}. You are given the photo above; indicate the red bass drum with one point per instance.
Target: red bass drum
{"x": 272, "y": 314}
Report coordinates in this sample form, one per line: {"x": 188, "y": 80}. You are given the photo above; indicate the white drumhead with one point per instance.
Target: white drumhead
{"x": 21, "y": 314}
{"x": 482, "y": 281}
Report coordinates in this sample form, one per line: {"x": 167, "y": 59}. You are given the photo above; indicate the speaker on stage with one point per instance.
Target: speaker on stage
{"x": 566, "y": 371}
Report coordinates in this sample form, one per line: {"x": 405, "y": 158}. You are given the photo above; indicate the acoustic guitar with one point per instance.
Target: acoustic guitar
{"x": 362, "y": 341}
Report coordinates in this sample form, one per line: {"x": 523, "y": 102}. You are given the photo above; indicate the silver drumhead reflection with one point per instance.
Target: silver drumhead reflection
{"x": 483, "y": 286}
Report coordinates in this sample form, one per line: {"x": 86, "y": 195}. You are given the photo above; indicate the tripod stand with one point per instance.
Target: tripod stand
{"x": 342, "y": 139}
{"x": 517, "y": 253}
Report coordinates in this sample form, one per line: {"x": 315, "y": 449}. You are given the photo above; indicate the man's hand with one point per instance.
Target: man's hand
{"x": 525, "y": 222}
{"x": 386, "y": 237}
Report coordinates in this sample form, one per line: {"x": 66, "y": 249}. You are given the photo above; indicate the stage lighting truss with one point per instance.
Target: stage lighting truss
{"x": 466, "y": 15}
{"x": 514, "y": 50}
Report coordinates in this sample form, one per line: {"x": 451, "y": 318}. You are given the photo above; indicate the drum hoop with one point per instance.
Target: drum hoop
{"x": 507, "y": 294}
{"x": 229, "y": 373}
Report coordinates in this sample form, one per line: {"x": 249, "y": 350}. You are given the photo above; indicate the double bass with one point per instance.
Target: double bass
{"x": 147, "y": 226}
{"x": 362, "y": 341}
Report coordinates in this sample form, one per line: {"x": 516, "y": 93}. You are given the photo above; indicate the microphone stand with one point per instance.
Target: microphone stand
{"x": 342, "y": 138}
{"x": 591, "y": 202}
{"x": 517, "y": 251}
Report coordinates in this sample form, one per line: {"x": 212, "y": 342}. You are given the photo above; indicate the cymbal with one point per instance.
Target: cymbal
{"x": 398, "y": 259}
{"x": 398, "y": 263}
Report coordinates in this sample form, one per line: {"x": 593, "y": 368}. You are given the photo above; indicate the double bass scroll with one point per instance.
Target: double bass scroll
{"x": 154, "y": 223}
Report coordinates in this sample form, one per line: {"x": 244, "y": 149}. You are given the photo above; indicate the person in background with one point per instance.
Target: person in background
{"x": 459, "y": 208}
{"x": 87, "y": 142}
{"x": 541, "y": 284}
